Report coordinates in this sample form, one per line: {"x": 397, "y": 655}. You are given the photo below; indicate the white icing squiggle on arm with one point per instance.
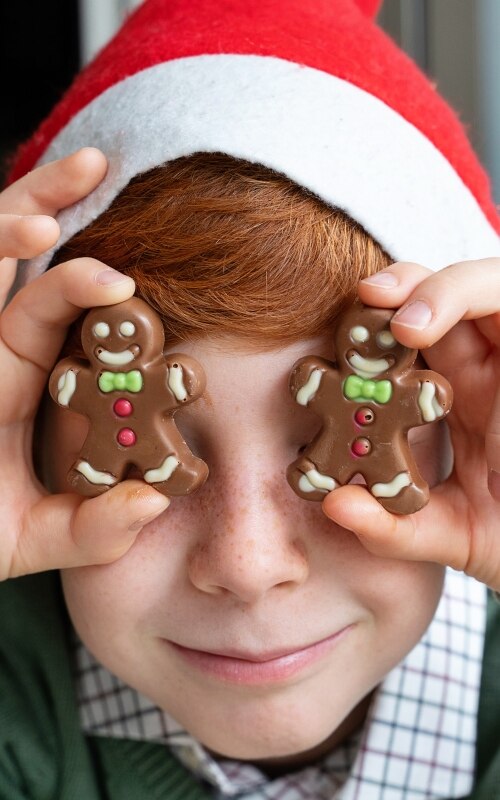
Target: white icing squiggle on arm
{"x": 427, "y": 402}
{"x": 66, "y": 387}
{"x": 310, "y": 388}
{"x": 176, "y": 382}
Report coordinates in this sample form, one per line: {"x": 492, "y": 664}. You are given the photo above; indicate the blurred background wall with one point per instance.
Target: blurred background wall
{"x": 454, "y": 41}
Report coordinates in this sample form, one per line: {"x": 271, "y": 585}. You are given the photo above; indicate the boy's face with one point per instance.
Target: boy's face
{"x": 216, "y": 611}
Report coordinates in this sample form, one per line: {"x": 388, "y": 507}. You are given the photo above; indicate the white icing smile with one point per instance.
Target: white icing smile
{"x": 368, "y": 367}
{"x": 116, "y": 359}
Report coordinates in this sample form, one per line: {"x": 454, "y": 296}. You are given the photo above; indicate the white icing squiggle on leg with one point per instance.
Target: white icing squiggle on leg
{"x": 66, "y": 386}
{"x": 313, "y": 481}
{"x": 392, "y": 488}
{"x": 164, "y": 472}
{"x": 310, "y": 388}
{"x": 427, "y": 402}
{"x": 94, "y": 476}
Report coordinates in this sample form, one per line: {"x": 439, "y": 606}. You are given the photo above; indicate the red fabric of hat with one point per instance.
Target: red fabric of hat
{"x": 314, "y": 90}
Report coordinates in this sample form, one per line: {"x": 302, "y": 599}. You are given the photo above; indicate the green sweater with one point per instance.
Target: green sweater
{"x": 44, "y": 755}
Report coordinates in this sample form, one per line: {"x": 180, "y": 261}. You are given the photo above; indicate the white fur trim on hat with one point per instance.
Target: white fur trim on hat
{"x": 326, "y": 134}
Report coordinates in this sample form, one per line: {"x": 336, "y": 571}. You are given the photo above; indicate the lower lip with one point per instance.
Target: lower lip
{"x": 242, "y": 671}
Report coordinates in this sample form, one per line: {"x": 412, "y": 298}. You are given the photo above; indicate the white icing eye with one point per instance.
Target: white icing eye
{"x": 360, "y": 334}
{"x": 385, "y": 339}
{"x": 127, "y": 328}
{"x": 101, "y": 330}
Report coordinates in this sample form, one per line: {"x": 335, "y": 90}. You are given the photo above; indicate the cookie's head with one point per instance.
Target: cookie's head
{"x": 121, "y": 336}
{"x": 365, "y": 345}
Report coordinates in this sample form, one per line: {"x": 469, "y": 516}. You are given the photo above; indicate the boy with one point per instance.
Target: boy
{"x": 269, "y": 631}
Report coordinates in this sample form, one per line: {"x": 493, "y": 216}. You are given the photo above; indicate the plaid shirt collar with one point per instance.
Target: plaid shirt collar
{"x": 418, "y": 742}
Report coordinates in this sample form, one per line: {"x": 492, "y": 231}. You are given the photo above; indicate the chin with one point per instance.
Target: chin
{"x": 265, "y": 727}
{"x": 272, "y": 743}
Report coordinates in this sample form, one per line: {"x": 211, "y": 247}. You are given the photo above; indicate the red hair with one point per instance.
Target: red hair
{"x": 220, "y": 246}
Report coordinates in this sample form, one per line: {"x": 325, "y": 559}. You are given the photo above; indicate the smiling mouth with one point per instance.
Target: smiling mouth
{"x": 368, "y": 367}
{"x": 257, "y": 668}
{"x": 117, "y": 358}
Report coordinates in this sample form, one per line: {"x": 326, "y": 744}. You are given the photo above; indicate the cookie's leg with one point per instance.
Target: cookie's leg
{"x": 307, "y": 481}
{"x": 174, "y": 477}
{"x": 400, "y": 494}
{"x": 87, "y": 480}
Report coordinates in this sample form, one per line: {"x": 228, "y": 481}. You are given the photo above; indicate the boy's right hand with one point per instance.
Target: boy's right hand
{"x": 41, "y": 531}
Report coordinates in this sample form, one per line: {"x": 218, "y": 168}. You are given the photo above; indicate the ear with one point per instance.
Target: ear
{"x": 369, "y": 7}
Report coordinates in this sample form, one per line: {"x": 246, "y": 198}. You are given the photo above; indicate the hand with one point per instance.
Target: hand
{"x": 454, "y": 316}
{"x": 42, "y": 531}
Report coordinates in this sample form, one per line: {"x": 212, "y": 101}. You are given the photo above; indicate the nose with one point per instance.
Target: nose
{"x": 250, "y": 543}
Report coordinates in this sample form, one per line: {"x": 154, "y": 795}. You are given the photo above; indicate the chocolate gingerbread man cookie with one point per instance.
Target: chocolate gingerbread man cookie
{"x": 368, "y": 400}
{"x": 130, "y": 391}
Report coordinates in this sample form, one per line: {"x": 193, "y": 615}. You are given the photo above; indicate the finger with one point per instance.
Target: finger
{"x": 34, "y": 324}
{"x": 63, "y": 531}
{"x": 22, "y": 237}
{"x": 492, "y": 449}
{"x": 468, "y": 290}
{"x": 390, "y": 287}
{"x": 393, "y": 286}
{"x": 489, "y": 327}
{"x": 8, "y": 267}
{"x": 26, "y": 236}
{"x": 462, "y": 346}
{"x": 435, "y": 533}
{"x": 56, "y": 185}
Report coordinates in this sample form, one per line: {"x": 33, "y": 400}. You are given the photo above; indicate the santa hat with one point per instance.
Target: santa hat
{"x": 314, "y": 90}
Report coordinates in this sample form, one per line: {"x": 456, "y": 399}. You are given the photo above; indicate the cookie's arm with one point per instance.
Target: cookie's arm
{"x": 184, "y": 380}
{"x": 434, "y": 396}
{"x": 314, "y": 381}
{"x": 67, "y": 384}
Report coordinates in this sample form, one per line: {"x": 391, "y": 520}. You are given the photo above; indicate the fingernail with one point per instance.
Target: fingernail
{"x": 494, "y": 483}
{"x": 110, "y": 277}
{"x": 416, "y": 315}
{"x": 140, "y": 523}
{"x": 384, "y": 280}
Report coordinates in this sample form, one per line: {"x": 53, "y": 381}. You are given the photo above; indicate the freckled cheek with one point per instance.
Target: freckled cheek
{"x": 394, "y": 593}
{"x": 122, "y": 597}
{"x": 410, "y": 609}
{"x": 152, "y": 572}
{"x": 402, "y": 598}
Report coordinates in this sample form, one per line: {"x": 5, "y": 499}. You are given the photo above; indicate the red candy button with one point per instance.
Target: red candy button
{"x": 126, "y": 437}
{"x": 361, "y": 446}
{"x": 364, "y": 416}
{"x": 123, "y": 408}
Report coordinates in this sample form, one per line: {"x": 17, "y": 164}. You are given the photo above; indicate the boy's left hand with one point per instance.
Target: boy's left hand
{"x": 454, "y": 316}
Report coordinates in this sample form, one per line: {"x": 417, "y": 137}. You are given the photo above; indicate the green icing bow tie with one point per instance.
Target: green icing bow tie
{"x": 120, "y": 381}
{"x": 356, "y": 388}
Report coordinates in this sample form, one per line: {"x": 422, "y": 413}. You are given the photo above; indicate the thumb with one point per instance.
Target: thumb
{"x": 422, "y": 536}
{"x": 63, "y": 531}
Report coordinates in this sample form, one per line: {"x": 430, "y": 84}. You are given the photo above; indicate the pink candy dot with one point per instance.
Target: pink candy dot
{"x": 123, "y": 408}
{"x": 361, "y": 446}
{"x": 126, "y": 437}
{"x": 364, "y": 416}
